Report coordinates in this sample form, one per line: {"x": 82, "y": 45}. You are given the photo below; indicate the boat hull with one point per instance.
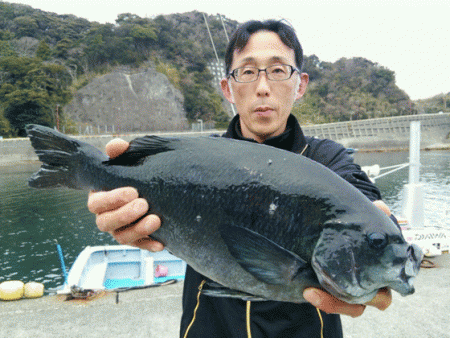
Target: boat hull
{"x": 121, "y": 266}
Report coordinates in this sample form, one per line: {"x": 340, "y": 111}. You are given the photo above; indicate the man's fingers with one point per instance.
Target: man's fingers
{"x": 330, "y": 304}
{"x": 146, "y": 243}
{"x": 109, "y": 221}
{"x": 138, "y": 233}
{"x": 382, "y": 206}
{"x": 116, "y": 147}
{"x": 382, "y": 300}
{"x": 120, "y": 212}
{"x": 102, "y": 201}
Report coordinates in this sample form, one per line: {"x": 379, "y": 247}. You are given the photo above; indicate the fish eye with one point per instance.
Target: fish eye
{"x": 377, "y": 240}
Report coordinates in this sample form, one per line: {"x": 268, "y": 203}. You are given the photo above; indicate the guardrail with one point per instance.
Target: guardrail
{"x": 376, "y": 127}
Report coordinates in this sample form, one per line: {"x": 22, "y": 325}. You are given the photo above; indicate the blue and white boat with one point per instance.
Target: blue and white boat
{"x": 121, "y": 266}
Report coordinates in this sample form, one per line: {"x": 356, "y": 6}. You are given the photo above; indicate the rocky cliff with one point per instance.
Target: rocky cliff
{"x": 143, "y": 101}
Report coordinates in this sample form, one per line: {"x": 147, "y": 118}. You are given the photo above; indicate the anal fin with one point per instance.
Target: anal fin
{"x": 214, "y": 289}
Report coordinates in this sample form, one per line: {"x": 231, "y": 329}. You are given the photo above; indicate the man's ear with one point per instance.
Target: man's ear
{"x": 224, "y": 84}
{"x": 302, "y": 86}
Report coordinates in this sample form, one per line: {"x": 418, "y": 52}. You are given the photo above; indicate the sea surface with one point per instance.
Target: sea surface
{"x": 33, "y": 221}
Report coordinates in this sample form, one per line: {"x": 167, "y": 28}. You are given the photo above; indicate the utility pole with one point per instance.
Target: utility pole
{"x": 57, "y": 117}
{"x": 224, "y": 29}
{"x": 215, "y": 52}
{"x": 210, "y": 36}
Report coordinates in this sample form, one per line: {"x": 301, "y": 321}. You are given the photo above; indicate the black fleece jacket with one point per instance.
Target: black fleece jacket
{"x": 227, "y": 317}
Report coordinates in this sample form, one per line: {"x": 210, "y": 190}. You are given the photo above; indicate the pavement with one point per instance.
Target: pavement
{"x": 156, "y": 312}
{"x": 425, "y": 314}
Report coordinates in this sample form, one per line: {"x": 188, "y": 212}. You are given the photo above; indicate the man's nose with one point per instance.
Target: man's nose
{"x": 262, "y": 85}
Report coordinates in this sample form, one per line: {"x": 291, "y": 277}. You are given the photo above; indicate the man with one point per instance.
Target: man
{"x": 263, "y": 63}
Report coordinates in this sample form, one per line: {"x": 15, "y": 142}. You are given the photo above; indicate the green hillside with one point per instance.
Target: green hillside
{"x": 45, "y": 58}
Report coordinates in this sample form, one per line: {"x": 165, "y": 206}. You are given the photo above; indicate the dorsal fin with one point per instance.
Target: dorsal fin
{"x": 142, "y": 147}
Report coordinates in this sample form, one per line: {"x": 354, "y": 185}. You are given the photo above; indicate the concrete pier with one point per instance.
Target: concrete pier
{"x": 156, "y": 313}
{"x": 150, "y": 313}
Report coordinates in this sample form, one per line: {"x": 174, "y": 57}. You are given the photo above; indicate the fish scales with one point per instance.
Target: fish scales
{"x": 262, "y": 222}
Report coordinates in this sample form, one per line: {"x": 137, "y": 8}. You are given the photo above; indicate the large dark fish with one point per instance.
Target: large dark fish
{"x": 263, "y": 222}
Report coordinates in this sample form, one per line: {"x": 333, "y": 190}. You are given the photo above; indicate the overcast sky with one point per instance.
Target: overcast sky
{"x": 410, "y": 37}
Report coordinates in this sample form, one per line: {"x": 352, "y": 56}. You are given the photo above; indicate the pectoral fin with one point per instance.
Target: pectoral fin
{"x": 264, "y": 259}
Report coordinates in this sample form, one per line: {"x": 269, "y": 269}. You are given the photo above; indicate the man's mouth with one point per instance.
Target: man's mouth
{"x": 263, "y": 110}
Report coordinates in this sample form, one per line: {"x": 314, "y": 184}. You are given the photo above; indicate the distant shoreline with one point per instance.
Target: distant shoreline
{"x": 387, "y": 134}
{"x": 19, "y": 150}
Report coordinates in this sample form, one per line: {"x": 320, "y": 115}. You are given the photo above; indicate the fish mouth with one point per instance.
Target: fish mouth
{"x": 406, "y": 287}
{"x": 405, "y": 284}
{"x": 407, "y": 274}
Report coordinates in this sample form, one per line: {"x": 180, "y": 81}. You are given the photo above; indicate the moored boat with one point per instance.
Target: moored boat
{"x": 120, "y": 266}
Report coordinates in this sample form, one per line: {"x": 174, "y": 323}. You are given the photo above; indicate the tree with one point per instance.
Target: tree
{"x": 15, "y": 69}
{"x": 202, "y": 102}
{"x": 30, "y": 89}
{"x": 143, "y": 37}
{"x": 129, "y": 18}
{"x": 53, "y": 79}
{"x": 43, "y": 51}
{"x": 25, "y": 26}
{"x": 28, "y": 106}
{"x": 94, "y": 53}
{"x": 6, "y": 35}
{"x": 5, "y": 127}
{"x": 6, "y": 50}
{"x": 25, "y": 46}
{"x": 62, "y": 48}
{"x": 170, "y": 71}
{"x": 312, "y": 65}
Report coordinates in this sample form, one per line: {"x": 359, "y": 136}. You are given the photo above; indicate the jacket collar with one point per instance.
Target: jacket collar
{"x": 292, "y": 139}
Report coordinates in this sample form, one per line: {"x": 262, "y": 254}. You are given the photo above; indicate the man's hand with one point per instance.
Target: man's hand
{"x": 121, "y": 212}
{"x": 330, "y": 304}
{"x": 382, "y": 206}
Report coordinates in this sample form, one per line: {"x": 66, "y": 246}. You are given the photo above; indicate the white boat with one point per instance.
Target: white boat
{"x": 121, "y": 266}
{"x": 433, "y": 240}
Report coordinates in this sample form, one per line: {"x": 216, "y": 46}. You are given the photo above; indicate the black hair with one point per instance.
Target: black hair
{"x": 240, "y": 38}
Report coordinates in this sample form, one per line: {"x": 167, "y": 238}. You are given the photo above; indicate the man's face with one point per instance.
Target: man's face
{"x": 264, "y": 106}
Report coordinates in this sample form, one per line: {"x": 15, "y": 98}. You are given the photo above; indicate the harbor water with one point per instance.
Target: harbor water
{"x": 31, "y": 221}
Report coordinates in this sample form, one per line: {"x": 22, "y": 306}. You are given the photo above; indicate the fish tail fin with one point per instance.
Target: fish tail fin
{"x": 59, "y": 156}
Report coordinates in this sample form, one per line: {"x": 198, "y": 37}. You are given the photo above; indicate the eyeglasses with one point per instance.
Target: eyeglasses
{"x": 273, "y": 73}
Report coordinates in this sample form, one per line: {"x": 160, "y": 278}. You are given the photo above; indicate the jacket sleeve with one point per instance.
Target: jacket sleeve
{"x": 334, "y": 156}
